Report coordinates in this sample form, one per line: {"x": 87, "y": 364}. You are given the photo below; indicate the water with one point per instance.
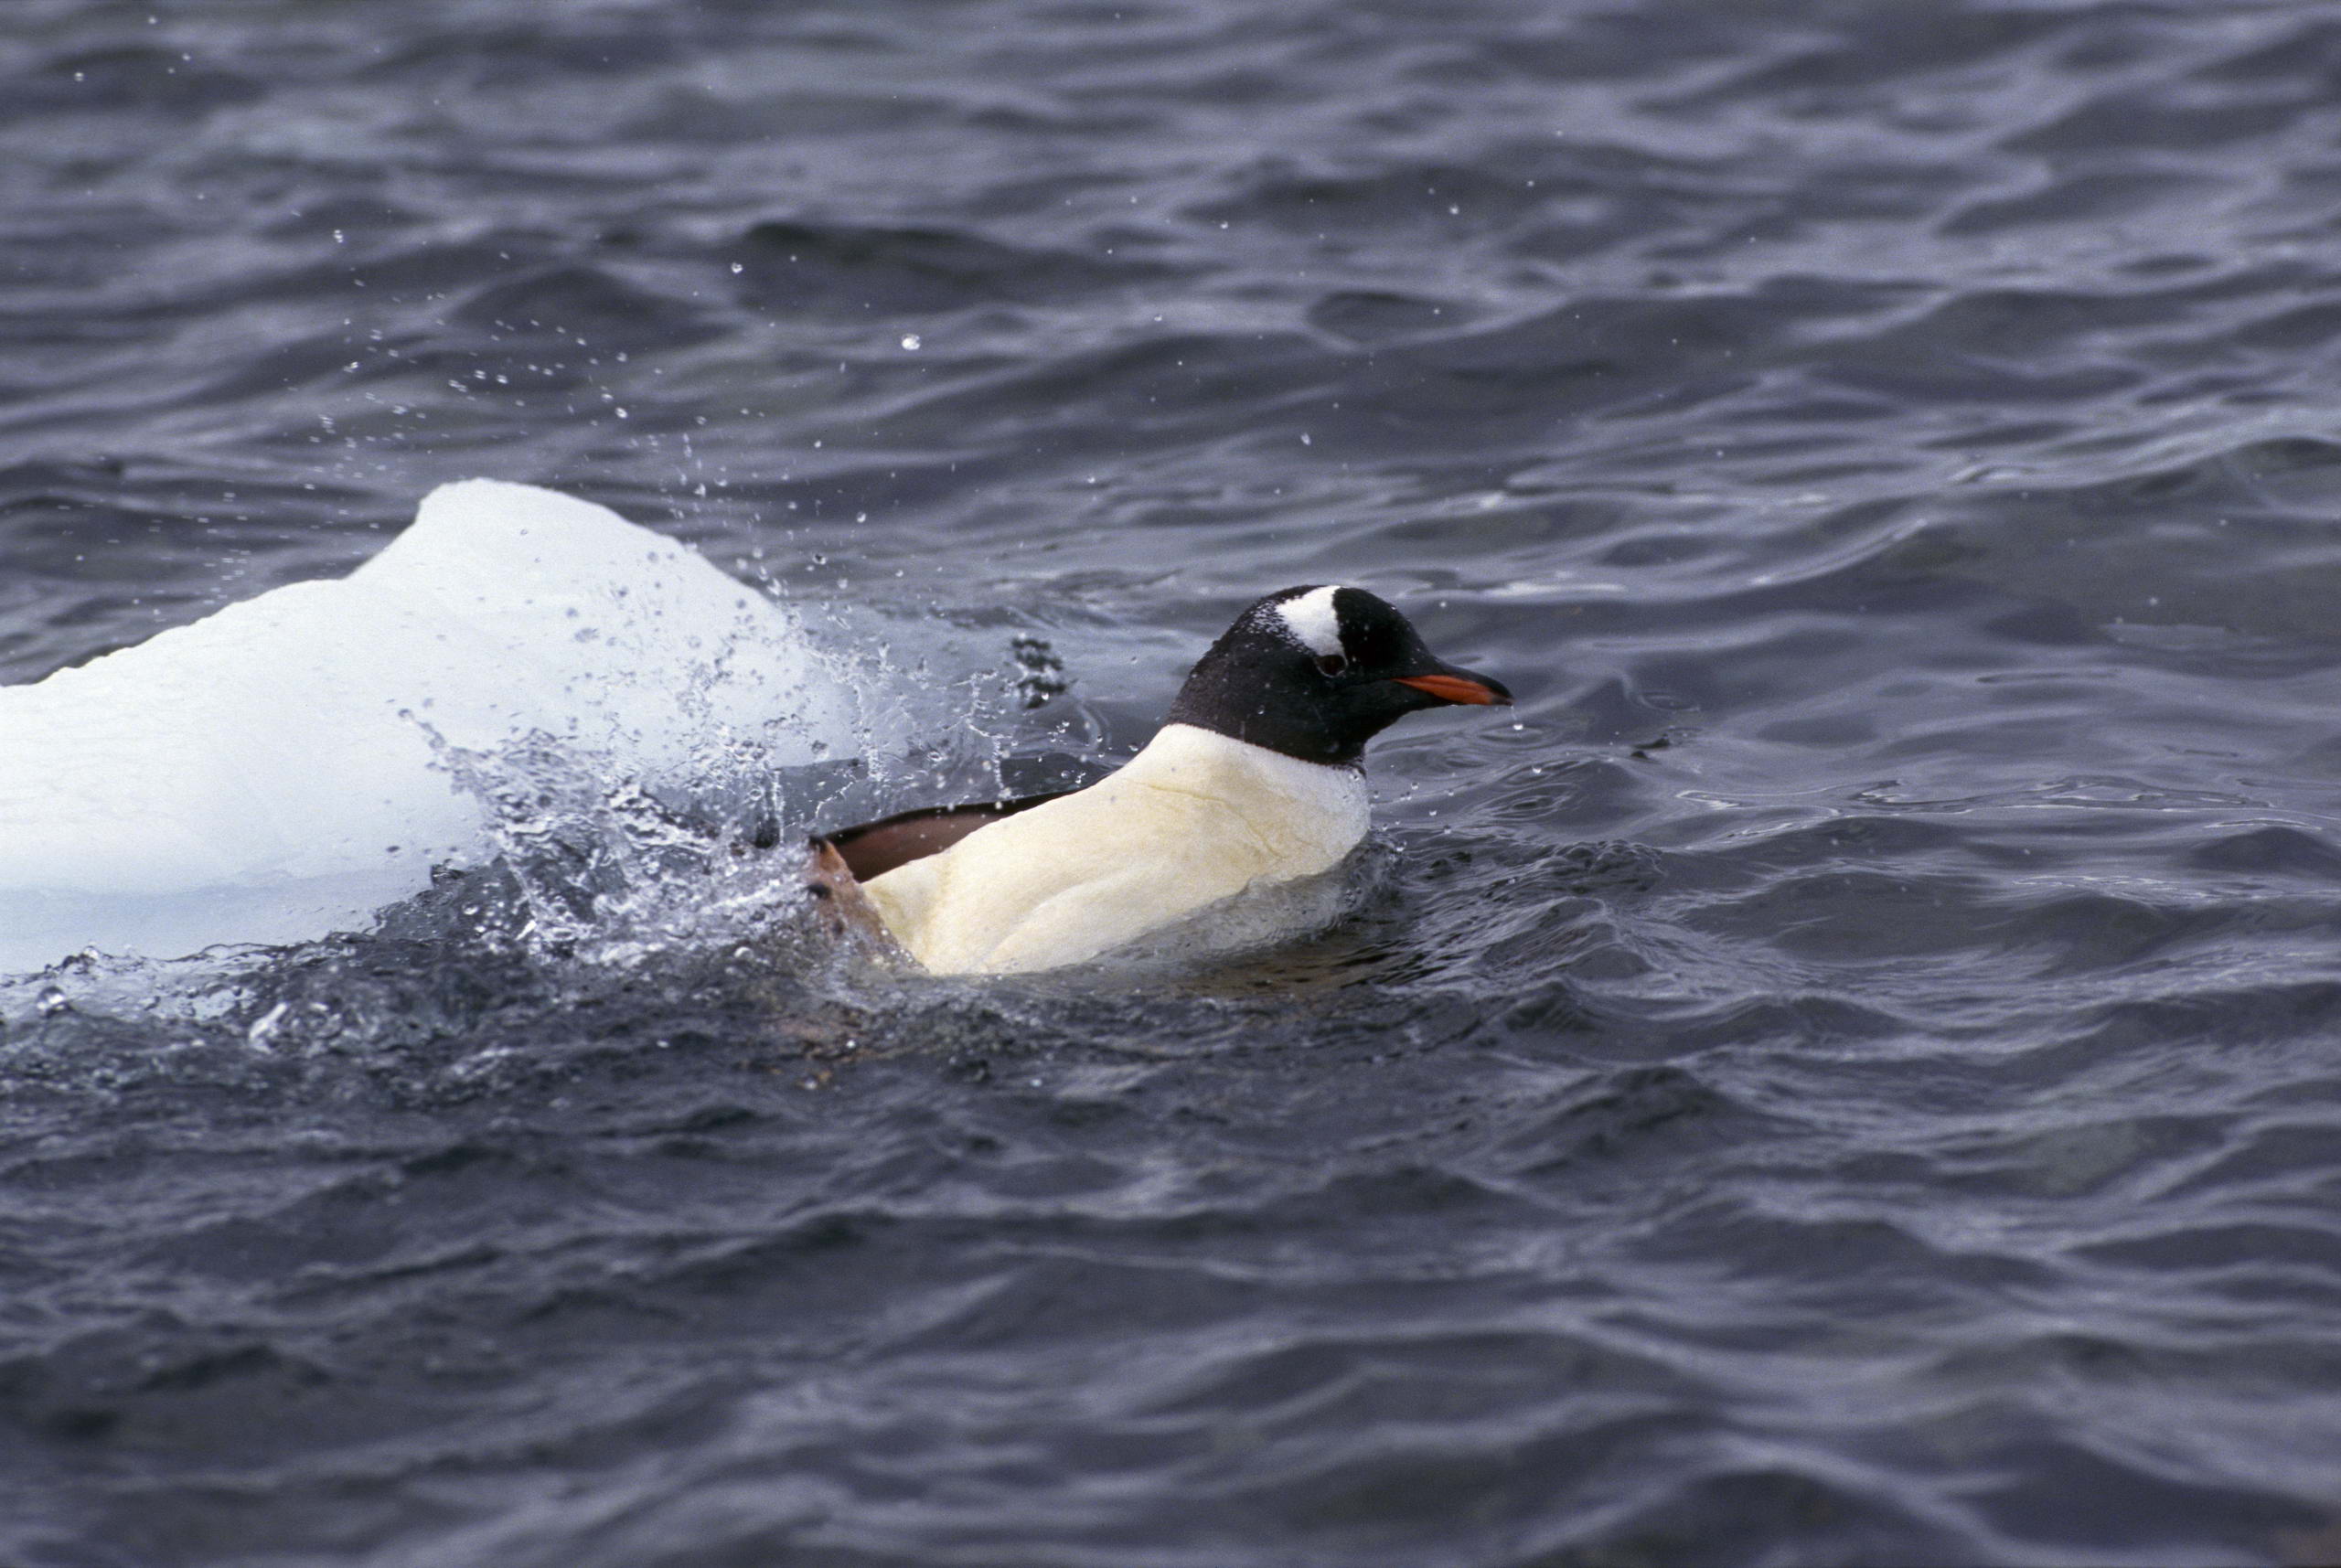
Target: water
{"x": 1841, "y": 1073}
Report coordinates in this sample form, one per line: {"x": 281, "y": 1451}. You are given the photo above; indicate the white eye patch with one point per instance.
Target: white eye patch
{"x": 1309, "y": 619}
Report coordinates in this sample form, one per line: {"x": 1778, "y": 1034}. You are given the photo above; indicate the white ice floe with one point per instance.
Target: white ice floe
{"x": 268, "y": 773}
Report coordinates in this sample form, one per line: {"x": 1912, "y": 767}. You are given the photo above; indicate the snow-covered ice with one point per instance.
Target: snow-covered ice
{"x": 268, "y": 773}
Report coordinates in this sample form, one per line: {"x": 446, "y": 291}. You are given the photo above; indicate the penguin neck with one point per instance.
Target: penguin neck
{"x": 1182, "y": 743}
{"x": 1224, "y": 696}
{"x": 1323, "y": 804}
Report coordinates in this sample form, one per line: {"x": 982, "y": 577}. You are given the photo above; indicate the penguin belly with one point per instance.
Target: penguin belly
{"x": 1194, "y": 818}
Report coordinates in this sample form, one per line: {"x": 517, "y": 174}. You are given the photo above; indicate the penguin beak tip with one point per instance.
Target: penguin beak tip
{"x": 1469, "y": 690}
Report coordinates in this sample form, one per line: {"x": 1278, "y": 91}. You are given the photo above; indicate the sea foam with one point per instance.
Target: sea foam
{"x": 276, "y": 771}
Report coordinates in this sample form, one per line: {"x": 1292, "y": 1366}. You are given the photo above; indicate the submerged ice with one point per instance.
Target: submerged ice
{"x": 278, "y": 770}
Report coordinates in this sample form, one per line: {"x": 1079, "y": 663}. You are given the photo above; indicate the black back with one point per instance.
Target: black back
{"x": 874, "y": 849}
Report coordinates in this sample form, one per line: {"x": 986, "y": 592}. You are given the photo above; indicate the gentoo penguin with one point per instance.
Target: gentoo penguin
{"x": 1253, "y": 778}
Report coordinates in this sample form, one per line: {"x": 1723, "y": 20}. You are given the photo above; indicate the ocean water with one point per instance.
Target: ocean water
{"x": 1848, "y": 1070}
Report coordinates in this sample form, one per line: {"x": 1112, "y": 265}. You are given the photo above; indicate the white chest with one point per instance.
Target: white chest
{"x": 1194, "y": 818}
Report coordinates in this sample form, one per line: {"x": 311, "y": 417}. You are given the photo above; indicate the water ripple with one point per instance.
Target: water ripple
{"x": 1841, "y": 1073}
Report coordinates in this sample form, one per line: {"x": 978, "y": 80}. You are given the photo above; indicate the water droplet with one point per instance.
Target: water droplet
{"x": 911, "y": 341}
{"x": 739, "y": 267}
{"x": 51, "y": 1002}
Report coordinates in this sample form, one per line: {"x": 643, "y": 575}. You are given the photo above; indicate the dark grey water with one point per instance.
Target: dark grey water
{"x": 1896, "y": 1119}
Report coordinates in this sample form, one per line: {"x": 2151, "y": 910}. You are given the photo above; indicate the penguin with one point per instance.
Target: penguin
{"x": 1255, "y": 778}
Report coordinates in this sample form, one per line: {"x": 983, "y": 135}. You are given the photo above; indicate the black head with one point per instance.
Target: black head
{"x": 1317, "y": 672}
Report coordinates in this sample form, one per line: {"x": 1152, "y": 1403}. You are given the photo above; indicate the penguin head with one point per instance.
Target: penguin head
{"x": 1316, "y": 672}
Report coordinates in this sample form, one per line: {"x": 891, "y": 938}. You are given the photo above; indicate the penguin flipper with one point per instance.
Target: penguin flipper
{"x": 844, "y": 906}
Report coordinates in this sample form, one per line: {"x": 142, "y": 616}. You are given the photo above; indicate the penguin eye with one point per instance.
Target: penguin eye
{"x": 1333, "y": 664}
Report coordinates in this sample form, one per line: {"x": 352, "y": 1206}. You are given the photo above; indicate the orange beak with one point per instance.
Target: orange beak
{"x": 1462, "y": 688}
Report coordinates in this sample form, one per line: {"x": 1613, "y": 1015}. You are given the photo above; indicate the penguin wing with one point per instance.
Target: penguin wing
{"x": 844, "y": 906}
{"x": 874, "y": 849}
